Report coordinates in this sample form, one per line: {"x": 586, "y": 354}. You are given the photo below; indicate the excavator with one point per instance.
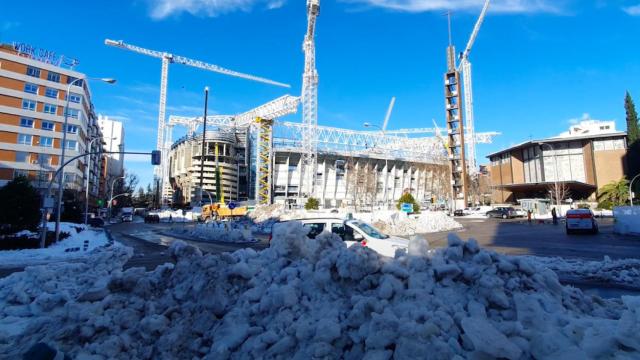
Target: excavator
{"x": 220, "y": 211}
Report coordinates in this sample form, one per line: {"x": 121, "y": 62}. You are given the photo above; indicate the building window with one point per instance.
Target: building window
{"x": 44, "y": 159}
{"x": 47, "y": 125}
{"x": 29, "y": 105}
{"x": 74, "y": 113}
{"x": 75, "y": 98}
{"x": 50, "y": 109}
{"x": 20, "y": 173}
{"x": 26, "y": 122}
{"x": 72, "y": 129}
{"x": 69, "y": 178}
{"x": 52, "y": 93}
{"x": 33, "y": 71}
{"x": 71, "y": 145}
{"x": 46, "y": 141}
{"x": 24, "y": 139}
{"x": 71, "y": 79}
{"x": 44, "y": 175}
{"x": 22, "y": 157}
{"x": 608, "y": 144}
{"x": 30, "y": 88}
{"x": 55, "y": 77}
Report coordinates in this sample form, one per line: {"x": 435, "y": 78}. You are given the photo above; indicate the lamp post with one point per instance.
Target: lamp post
{"x": 64, "y": 147}
{"x": 204, "y": 134}
{"x": 209, "y": 194}
{"x": 555, "y": 172}
{"x": 631, "y": 188}
{"x": 386, "y": 167}
{"x": 113, "y": 182}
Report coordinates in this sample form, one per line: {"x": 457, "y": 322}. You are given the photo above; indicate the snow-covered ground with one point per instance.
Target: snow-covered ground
{"x": 314, "y": 299}
{"x": 608, "y": 271}
{"x": 224, "y": 231}
{"x": 67, "y": 249}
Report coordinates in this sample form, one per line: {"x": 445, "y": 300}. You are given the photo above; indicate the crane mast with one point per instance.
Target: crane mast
{"x": 467, "y": 83}
{"x": 309, "y": 100}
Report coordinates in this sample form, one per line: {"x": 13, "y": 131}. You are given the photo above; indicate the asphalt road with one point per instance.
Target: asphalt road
{"x": 518, "y": 237}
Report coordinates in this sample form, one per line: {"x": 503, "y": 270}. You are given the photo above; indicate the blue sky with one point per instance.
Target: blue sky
{"x": 538, "y": 64}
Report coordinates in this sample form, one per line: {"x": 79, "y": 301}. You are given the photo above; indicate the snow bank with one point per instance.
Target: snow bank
{"x": 72, "y": 247}
{"x": 627, "y": 220}
{"x": 224, "y": 231}
{"x": 398, "y": 223}
{"x": 612, "y": 272}
{"x": 314, "y": 299}
{"x": 176, "y": 215}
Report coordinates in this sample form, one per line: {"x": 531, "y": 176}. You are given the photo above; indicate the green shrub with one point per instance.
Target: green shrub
{"x": 312, "y": 204}
{"x": 408, "y": 198}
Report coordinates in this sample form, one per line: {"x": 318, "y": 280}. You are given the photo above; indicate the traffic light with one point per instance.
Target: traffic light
{"x": 155, "y": 157}
{"x": 100, "y": 202}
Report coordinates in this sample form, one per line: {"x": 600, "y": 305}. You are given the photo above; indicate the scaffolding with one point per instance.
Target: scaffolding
{"x": 455, "y": 132}
{"x": 265, "y": 143}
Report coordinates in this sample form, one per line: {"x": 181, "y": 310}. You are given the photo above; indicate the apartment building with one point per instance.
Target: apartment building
{"x": 590, "y": 155}
{"x": 33, "y": 93}
{"x": 113, "y": 135}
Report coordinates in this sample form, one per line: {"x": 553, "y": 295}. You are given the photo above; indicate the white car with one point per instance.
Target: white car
{"x": 580, "y": 220}
{"x": 355, "y": 232}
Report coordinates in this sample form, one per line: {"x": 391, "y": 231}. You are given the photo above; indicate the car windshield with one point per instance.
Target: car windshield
{"x": 369, "y": 230}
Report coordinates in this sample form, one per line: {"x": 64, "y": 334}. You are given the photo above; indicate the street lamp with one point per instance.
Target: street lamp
{"x": 386, "y": 166}
{"x": 64, "y": 147}
{"x": 631, "y": 188}
{"x": 113, "y": 182}
{"x": 555, "y": 172}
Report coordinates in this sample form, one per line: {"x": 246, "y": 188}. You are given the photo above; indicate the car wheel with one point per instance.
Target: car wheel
{"x": 569, "y": 231}
{"x": 594, "y": 231}
{"x": 504, "y": 216}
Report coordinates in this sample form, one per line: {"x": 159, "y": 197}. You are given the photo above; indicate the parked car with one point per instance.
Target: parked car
{"x": 520, "y": 212}
{"x": 502, "y": 212}
{"x": 127, "y": 217}
{"x": 152, "y": 219}
{"x": 580, "y": 220}
{"x": 95, "y": 222}
{"x": 354, "y": 232}
{"x": 458, "y": 212}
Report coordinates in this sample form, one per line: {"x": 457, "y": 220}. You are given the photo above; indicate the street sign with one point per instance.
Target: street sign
{"x": 406, "y": 207}
{"x": 231, "y": 205}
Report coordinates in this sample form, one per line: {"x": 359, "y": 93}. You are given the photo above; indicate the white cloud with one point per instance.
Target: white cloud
{"x": 584, "y": 117}
{"x": 632, "y": 10}
{"x": 161, "y": 9}
{"x": 504, "y": 6}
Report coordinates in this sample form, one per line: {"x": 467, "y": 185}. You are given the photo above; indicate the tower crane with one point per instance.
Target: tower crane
{"x": 309, "y": 100}
{"x": 167, "y": 58}
{"x": 465, "y": 66}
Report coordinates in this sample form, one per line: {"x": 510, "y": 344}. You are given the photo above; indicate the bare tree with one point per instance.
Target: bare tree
{"x": 559, "y": 192}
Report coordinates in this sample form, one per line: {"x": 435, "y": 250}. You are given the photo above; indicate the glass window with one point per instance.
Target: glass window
{"x": 44, "y": 175}
{"x": 74, "y": 113}
{"x": 345, "y": 232}
{"x": 47, "y": 125}
{"x": 46, "y": 141}
{"x": 22, "y": 156}
{"x": 24, "y": 139}
{"x": 28, "y": 104}
{"x": 71, "y": 79}
{"x": 20, "y": 173}
{"x": 314, "y": 229}
{"x": 44, "y": 159}
{"x": 52, "y": 93}
{"x": 72, "y": 145}
{"x": 30, "y": 88}
{"x": 26, "y": 122}
{"x": 33, "y": 71}
{"x": 368, "y": 229}
{"x": 69, "y": 177}
{"x": 75, "y": 98}
{"x": 72, "y": 129}
{"x": 55, "y": 77}
{"x": 50, "y": 108}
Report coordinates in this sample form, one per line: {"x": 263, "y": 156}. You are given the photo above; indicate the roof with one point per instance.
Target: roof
{"x": 559, "y": 139}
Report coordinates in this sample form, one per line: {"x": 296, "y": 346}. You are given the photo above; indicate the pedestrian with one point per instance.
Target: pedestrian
{"x": 554, "y": 216}
{"x": 529, "y": 216}
{"x": 170, "y": 219}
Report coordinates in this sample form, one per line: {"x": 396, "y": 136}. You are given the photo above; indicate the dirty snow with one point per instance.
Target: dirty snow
{"x": 67, "y": 249}
{"x": 398, "y": 223}
{"x": 223, "y": 231}
{"x": 307, "y": 299}
{"x": 176, "y": 215}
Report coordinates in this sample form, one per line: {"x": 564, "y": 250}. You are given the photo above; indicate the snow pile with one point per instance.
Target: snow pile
{"x": 612, "y": 272}
{"x": 263, "y": 213}
{"x": 176, "y": 215}
{"x": 224, "y": 231}
{"x": 399, "y": 223}
{"x": 627, "y": 220}
{"x": 315, "y": 299}
{"x": 72, "y": 247}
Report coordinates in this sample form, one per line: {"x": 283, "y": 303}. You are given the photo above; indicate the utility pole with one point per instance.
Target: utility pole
{"x": 202, "y": 153}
